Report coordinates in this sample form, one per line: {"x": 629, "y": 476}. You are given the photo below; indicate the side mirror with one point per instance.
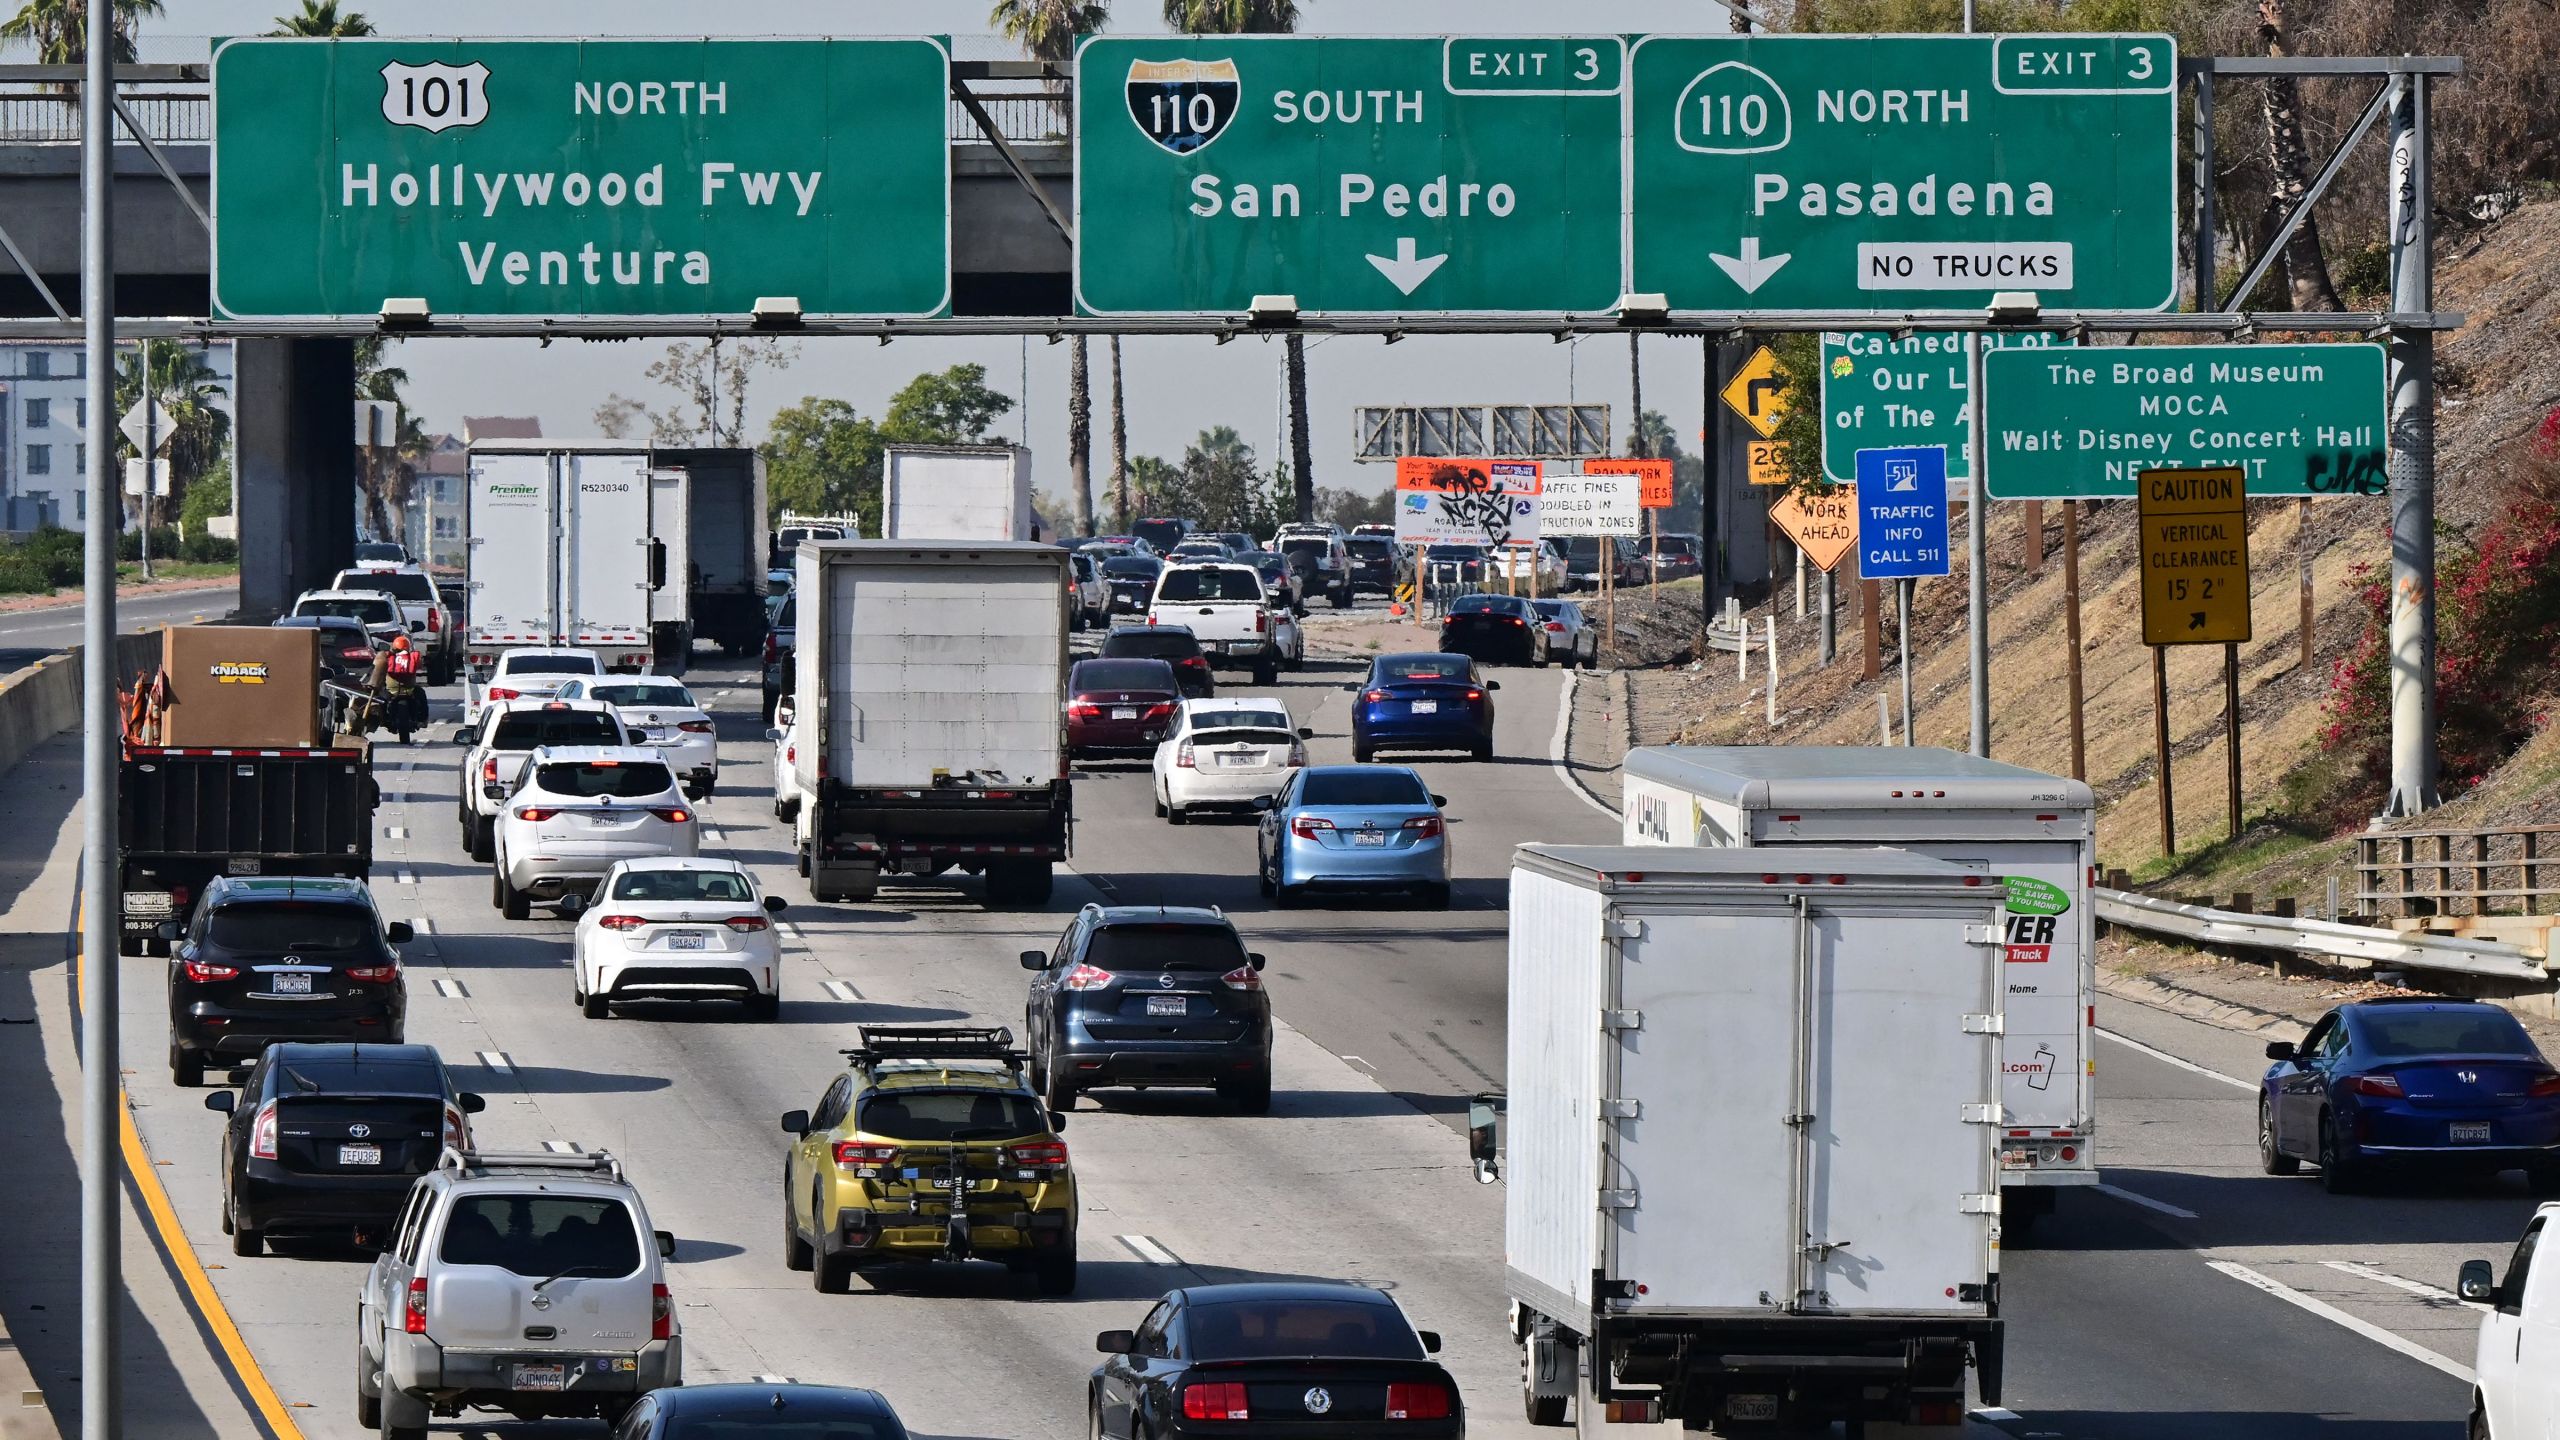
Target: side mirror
{"x": 2476, "y": 1285}
{"x": 571, "y": 904}
{"x": 1306, "y": 732}
{"x": 1430, "y": 1341}
{"x": 773, "y": 732}
{"x": 1441, "y": 801}
{"x": 1116, "y": 1342}
{"x": 472, "y": 1102}
{"x": 1057, "y": 1120}
{"x": 169, "y": 930}
{"x": 1493, "y": 684}
{"x": 1035, "y": 959}
{"x": 399, "y": 932}
{"x": 1255, "y": 959}
{"x": 221, "y": 1100}
{"x": 1483, "y": 1146}
{"x": 1264, "y": 802}
{"x": 795, "y": 1122}
{"x": 773, "y": 904}
{"x": 666, "y": 1243}
{"x": 2280, "y": 1050}
{"x": 462, "y": 735}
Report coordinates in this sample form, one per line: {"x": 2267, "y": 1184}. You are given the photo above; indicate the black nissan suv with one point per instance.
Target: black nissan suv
{"x": 1149, "y": 995}
{"x": 269, "y": 959}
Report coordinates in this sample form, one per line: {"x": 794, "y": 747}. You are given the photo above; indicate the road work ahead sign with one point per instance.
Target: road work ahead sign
{"x": 580, "y": 177}
{"x": 2195, "y": 557}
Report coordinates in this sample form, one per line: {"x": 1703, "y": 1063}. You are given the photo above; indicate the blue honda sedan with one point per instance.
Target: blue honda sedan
{"x": 1354, "y": 827}
{"x": 1423, "y": 701}
{"x": 2414, "y": 1085}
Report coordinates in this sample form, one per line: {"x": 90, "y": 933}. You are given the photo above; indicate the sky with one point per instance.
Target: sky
{"x": 1176, "y": 385}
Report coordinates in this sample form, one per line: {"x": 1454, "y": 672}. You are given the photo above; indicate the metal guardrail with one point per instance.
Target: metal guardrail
{"x": 1040, "y": 117}
{"x": 2495, "y": 870}
{"x": 48, "y": 118}
{"x": 2200, "y": 925}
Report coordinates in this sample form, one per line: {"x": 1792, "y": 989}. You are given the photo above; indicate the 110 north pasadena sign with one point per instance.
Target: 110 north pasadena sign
{"x": 625, "y": 177}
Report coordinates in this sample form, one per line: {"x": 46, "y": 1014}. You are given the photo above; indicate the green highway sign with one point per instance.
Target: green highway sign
{"x": 2081, "y": 424}
{"x": 1881, "y": 391}
{"x": 580, "y": 177}
{"x": 1358, "y": 175}
{"x": 1900, "y": 173}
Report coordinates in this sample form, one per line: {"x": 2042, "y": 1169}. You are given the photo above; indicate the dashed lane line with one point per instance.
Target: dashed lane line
{"x": 842, "y": 990}
{"x": 497, "y": 1060}
{"x": 452, "y": 990}
{"x": 2165, "y": 1058}
{"x": 2396, "y": 1282}
{"x": 562, "y": 1147}
{"x": 2146, "y": 1202}
{"x": 2342, "y": 1319}
{"x": 1148, "y": 1250}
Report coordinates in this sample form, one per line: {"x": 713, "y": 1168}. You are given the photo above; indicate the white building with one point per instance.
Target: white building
{"x": 44, "y": 431}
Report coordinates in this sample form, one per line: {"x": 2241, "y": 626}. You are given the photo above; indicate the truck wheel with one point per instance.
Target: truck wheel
{"x": 1266, "y": 671}
{"x": 484, "y": 838}
{"x": 830, "y": 1274}
{"x": 404, "y": 1417}
{"x": 1342, "y": 598}
{"x": 245, "y": 1241}
{"x": 1547, "y": 1410}
{"x": 368, "y": 1399}
{"x": 134, "y": 945}
{"x": 186, "y": 1068}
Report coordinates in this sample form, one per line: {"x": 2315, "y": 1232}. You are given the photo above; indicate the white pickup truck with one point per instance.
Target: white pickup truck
{"x": 1237, "y": 621}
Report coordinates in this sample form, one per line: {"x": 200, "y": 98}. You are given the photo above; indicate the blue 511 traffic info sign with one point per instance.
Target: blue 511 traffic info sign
{"x": 1902, "y": 513}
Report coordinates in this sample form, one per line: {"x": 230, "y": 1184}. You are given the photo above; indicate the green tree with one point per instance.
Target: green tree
{"x": 1046, "y": 29}
{"x": 1232, "y": 17}
{"x": 1155, "y": 486}
{"x": 322, "y": 18}
{"x": 1347, "y": 508}
{"x": 1223, "y": 486}
{"x": 821, "y": 457}
{"x": 209, "y": 496}
{"x": 188, "y": 389}
{"x": 946, "y": 407}
{"x": 710, "y": 381}
{"x": 58, "y": 29}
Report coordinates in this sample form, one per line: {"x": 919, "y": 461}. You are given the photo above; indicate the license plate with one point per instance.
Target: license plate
{"x": 1751, "y": 1407}
{"x": 1168, "y": 1005}
{"x": 1368, "y": 837}
{"x": 245, "y": 865}
{"x": 1124, "y": 713}
{"x": 291, "y": 984}
{"x": 1426, "y": 707}
{"x": 604, "y": 821}
{"x": 933, "y": 1182}
{"x": 148, "y": 904}
{"x": 542, "y": 1377}
{"x": 1240, "y": 758}
{"x": 2473, "y": 1132}
{"x": 688, "y": 940}
{"x": 359, "y": 1154}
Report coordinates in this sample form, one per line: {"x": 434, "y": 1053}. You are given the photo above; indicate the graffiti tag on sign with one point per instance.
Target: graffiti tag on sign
{"x": 1467, "y": 502}
{"x": 2347, "y": 472}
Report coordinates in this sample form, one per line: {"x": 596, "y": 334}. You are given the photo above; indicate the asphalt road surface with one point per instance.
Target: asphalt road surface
{"x": 27, "y": 636}
{"x": 2199, "y": 1299}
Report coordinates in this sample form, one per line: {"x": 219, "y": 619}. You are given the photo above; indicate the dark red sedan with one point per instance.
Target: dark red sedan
{"x": 1119, "y": 705}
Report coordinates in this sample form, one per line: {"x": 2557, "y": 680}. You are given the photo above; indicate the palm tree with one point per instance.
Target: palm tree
{"x": 1046, "y": 28}
{"x": 198, "y": 431}
{"x": 58, "y": 29}
{"x": 377, "y": 470}
{"x": 1080, "y": 435}
{"x": 1232, "y": 17}
{"x": 321, "y": 18}
{"x": 1119, "y": 446}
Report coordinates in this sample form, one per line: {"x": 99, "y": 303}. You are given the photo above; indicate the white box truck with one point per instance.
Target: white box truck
{"x": 1750, "y": 1161}
{"x": 2036, "y": 831}
{"x": 956, "y": 492}
{"x": 930, "y": 713}
{"x": 579, "y": 543}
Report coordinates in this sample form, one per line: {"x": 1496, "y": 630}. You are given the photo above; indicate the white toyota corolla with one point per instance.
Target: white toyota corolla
{"x": 1226, "y": 753}
{"x": 661, "y": 713}
{"x": 577, "y": 811}
{"x": 672, "y": 928}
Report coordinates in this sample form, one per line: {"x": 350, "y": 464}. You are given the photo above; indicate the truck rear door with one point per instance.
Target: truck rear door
{"x": 513, "y": 517}
{"x": 2044, "y": 1067}
{"x": 605, "y": 582}
{"x": 670, "y": 525}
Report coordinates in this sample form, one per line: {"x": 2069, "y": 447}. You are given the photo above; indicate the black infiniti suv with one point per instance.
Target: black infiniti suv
{"x": 269, "y": 959}
{"x": 1147, "y": 995}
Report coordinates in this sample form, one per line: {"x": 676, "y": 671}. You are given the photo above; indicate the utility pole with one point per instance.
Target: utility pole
{"x": 150, "y": 452}
{"x": 1977, "y": 544}
{"x": 2412, "y": 357}
{"x": 102, "y": 898}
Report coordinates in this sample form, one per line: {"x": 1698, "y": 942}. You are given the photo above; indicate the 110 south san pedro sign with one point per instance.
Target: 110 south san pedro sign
{"x": 623, "y": 177}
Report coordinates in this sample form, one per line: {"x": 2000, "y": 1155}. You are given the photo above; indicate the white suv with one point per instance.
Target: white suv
{"x": 534, "y": 672}
{"x": 529, "y": 1283}
{"x": 661, "y": 713}
{"x": 670, "y": 929}
{"x": 576, "y": 810}
{"x": 496, "y": 746}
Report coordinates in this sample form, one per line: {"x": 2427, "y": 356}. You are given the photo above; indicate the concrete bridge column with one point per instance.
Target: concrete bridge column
{"x": 293, "y": 467}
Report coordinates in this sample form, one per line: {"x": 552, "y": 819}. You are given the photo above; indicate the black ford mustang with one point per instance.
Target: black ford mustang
{"x": 1294, "y": 1360}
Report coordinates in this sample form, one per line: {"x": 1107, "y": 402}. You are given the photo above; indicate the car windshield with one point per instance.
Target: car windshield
{"x": 1497, "y": 604}
{"x": 1674, "y": 545}
{"x": 370, "y": 612}
{"x": 1363, "y": 787}
{"x": 1129, "y": 567}
{"x": 380, "y": 550}
{"x": 950, "y": 1115}
{"x": 1451, "y": 671}
{"x": 1373, "y": 549}
{"x": 1277, "y": 1329}
{"x": 679, "y": 885}
{"x": 1122, "y": 675}
{"x": 673, "y": 697}
{"x": 596, "y": 779}
{"x": 1227, "y": 718}
{"x": 1552, "y": 609}
{"x": 1157, "y": 644}
{"x": 408, "y": 585}
{"x": 1216, "y": 583}
{"x": 790, "y": 615}
{"x": 539, "y": 1236}
{"x": 1454, "y": 552}
{"x": 1308, "y": 545}
{"x": 281, "y": 925}
{"x": 525, "y": 729}
{"x": 757, "y": 1420}
{"x": 1162, "y": 534}
{"x": 2408, "y": 1034}
{"x": 1149, "y": 945}
{"x": 550, "y": 665}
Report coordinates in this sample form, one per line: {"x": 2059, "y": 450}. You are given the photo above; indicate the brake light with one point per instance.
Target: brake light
{"x": 179, "y": 895}
{"x": 673, "y": 815}
{"x": 2383, "y": 1086}
{"x": 501, "y": 692}
{"x": 1307, "y": 827}
{"x": 1297, "y": 755}
{"x": 746, "y": 924}
{"x": 1182, "y": 757}
{"x": 1417, "y": 1400}
{"x": 1041, "y": 1152}
{"x": 856, "y": 1152}
{"x": 356, "y": 652}
{"x": 1196, "y": 662}
{"x": 1261, "y": 621}
{"x": 435, "y": 620}
{"x": 414, "y": 1321}
{"x": 202, "y": 971}
{"x": 1084, "y": 712}
{"x": 1162, "y": 710}
{"x": 1556, "y": 626}
{"x": 1425, "y": 827}
{"x": 1243, "y": 977}
{"x": 1475, "y": 694}
{"x": 489, "y": 768}
{"x": 262, "y": 1133}
{"x": 772, "y": 648}
{"x": 662, "y": 1313}
{"x": 621, "y": 922}
{"x": 694, "y": 727}
{"x": 456, "y": 1137}
{"x": 1086, "y": 977}
{"x": 374, "y": 974}
{"x": 536, "y": 812}
{"x": 1374, "y": 696}
{"x": 2544, "y": 1086}
{"x": 1221, "y": 1401}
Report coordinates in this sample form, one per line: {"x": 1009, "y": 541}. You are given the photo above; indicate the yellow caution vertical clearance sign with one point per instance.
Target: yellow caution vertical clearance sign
{"x": 2195, "y": 557}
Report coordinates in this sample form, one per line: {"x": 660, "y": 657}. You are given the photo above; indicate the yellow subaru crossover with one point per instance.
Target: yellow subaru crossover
{"x": 929, "y": 1146}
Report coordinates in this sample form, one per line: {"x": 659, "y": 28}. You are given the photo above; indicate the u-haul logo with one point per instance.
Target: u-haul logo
{"x": 1653, "y": 819}
{"x": 2030, "y": 939}
{"x": 239, "y": 672}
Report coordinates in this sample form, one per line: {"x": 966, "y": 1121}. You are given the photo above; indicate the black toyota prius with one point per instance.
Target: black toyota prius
{"x": 325, "y": 1139}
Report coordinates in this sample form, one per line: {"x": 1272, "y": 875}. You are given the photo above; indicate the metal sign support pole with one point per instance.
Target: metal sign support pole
{"x": 2160, "y": 746}
{"x": 1870, "y": 630}
{"x": 1830, "y": 639}
{"x": 1977, "y": 557}
{"x": 2412, "y": 358}
{"x": 1902, "y": 632}
{"x": 2071, "y": 636}
{"x": 2302, "y": 563}
{"x": 2231, "y": 729}
{"x": 150, "y": 453}
{"x": 101, "y": 897}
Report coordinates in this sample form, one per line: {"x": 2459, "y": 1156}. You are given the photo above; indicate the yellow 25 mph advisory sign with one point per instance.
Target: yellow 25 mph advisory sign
{"x": 2195, "y": 557}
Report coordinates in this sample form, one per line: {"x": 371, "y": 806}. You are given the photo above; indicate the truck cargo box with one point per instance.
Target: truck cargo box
{"x": 249, "y": 686}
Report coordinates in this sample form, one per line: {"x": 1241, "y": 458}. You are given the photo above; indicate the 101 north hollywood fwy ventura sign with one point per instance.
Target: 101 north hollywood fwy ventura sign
{"x": 580, "y": 177}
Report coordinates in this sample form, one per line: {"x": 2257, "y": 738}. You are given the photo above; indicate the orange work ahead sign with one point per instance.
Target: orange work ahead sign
{"x": 1653, "y": 478}
{"x": 1823, "y": 523}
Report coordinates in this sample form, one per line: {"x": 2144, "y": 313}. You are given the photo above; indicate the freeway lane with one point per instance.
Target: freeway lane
{"x": 2120, "y": 1326}
{"x": 27, "y": 636}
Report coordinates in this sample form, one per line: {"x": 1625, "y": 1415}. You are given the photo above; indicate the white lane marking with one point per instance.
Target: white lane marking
{"x": 395, "y": 832}
{"x": 1994, "y": 1415}
{"x": 2336, "y": 1316}
{"x": 842, "y": 990}
{"x": 426, "y": 925}
{"x": 1555, "y": 745}
{"x": 2165, "y": 1058}
{"x": 452, "y": 990}
{"x": 497, "y": 1060}
{"x": 773, "y": 1380}
{"x": 406, "y": 877}
{"x": 562, "y": 1147}
{"x": 2396, "y": 1282}
{"x": 792, "y": 929}
{"x": 1149, "y": 1251}
{"x": 1363, "y": 1064}
{"x": 2146, "y": 1202}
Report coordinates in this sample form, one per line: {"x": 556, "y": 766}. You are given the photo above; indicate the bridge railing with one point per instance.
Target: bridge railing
{"x": 33, "y": 116}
